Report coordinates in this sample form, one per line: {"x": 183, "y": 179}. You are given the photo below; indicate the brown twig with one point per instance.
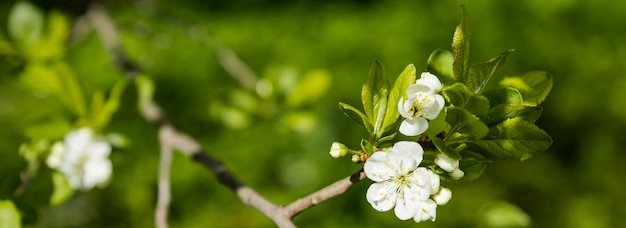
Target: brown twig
{"x": 172, "y": 139}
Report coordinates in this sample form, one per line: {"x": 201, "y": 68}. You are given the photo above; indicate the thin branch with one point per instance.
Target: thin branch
{"x": 173, "y": 139}
{"x": 163, "y": 199}
{"x": 330, "y": 191}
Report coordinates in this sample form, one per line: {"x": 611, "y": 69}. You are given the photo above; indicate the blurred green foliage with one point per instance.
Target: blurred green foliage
{"x": 577, "y": 183}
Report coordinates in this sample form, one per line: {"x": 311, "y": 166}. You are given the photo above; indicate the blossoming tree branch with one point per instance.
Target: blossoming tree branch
{"x": 426, "y": 130}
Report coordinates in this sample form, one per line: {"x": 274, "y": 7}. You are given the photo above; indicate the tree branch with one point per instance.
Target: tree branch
{"x": 172, "y": 139}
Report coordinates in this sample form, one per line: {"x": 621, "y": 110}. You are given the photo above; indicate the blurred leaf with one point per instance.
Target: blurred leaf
{"x": 464, "y": 125}
{"x": 515, "y": 139}
{"x": 503, "y": 95}
{"x": 357, "y": 116}
{"x": 25, "y": 23}
{"x": 533, "y": 86}
{"x": 504, "y": 111}
{"x": 502, "y": 214}
{"x": 310, "y": 88}
{"x": 473, "y": 165}
{"x": 460, "y": 46}
{"x": 71, "y": 92}
{"x": 145, "y": 88}
{"x": 103, "y": 116}
{"x": 459, "y": 95}
{"x": 9, "y": 215}
{"x": 118, "y": 140}
{"x": 62, "y": 189}
{"x": 53, "y": 44}
{"x": 406, "y": 78}
{"x": 374, "y": 96}
{"x": 479, "y": 74}
{"x": 440, "y": 63}
{"x": 51, "y": 129}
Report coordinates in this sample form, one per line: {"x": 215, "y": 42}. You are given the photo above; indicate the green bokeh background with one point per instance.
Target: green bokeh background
{"x": 578, "y": 182}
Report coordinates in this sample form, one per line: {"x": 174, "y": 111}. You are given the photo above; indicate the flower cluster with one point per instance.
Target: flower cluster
{"x": 83, "y": 158}
{"x": 414, "y": 191}
{"x": 423, "y": 103}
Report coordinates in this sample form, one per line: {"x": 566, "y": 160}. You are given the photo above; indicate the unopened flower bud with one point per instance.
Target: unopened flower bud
{"x": 443, "y": 196}
{"x": 338, "y": 150}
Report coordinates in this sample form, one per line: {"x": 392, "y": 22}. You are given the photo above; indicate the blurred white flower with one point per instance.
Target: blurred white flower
{"x": 422, "y": 104}
{"x": 83, "y": 158}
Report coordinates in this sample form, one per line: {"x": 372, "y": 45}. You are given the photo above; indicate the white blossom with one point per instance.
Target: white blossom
{"x": 399, "y": 180}
{"x": 423, "y": 103}
{"x": 83, "y": 158}
{"x": 338, "y": 150}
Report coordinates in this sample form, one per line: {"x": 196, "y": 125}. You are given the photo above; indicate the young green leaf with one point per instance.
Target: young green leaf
{"x": 459, "y": 95}
{"x": 440, "y": 63}
{"x": 437, "y": 125}
{"x": 367, "y": 146}
{"x": 9, "y": 214}
{"x": 464, "y": 125}
{"x": 62, "y": 189}
{"x": 25, "y": 23}
{"x": 460, "y": 46}
{"x": 406, "y": 78}
{"x": 534, "y": 86}
{"x": 479, "y": 74}
{"x": 111, "y": 105}
{"x": 515, "y": 139}
{"x": 374, "y": 96}
{"x": 357, "y": 116}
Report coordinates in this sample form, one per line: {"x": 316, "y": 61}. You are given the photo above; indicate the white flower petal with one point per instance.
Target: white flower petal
{"x": 434, "y": 182}
{"x": 420, "y": 179}
{"x": 409, "y": 154}
{"x": 432, "y": 106}
{"x": 96, "y": 172}
{"x": 428, "y": 211}
{"x": 55, "y": 159}
{"x": 382, "y": 196}
{"x": 431, "y": 81}
{"x": 446, "y": 163}
{"x": 402, "y": 108}
{"x": 377, "y": 169}
{"x": 457, "y": 174}
{"x": 407, "y": 203}
{"x": 413, "y": 127}
{"x": 415, "y": 89}
{"x": 100, "y": 149}
{"x": 443, "y": 196}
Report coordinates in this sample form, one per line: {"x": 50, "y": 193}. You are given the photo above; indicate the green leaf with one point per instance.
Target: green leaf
{"x": 534, "y": 86}
{"x": 51, "y": 129}
{"x": 145, "y": 89}
{"x": 473, "y": 165}
{"x": 440, "y": 63}
{"x": 9, "y": 215}
{"x": 443, "y": 148}
{"x": 25, "y": 23}
{"x": 515, "y": 139}
{"x": 479, "y": 74}
{"x": 503, "y": 95}
{"x": 460, "y": 46}
{"x": 459, "y": 95}
{"x": 357, "y": 116}
{"x": 504, "y": 111}
{"x": 374, "y": 96}
{"x": 104, "y": 115}
{"x": 367, "y": 147}
{"x": 387, "y": 138}
{"x": 62, "y": 189}
{"x": 310, "y": 88}
{"x": 404, "y": 80}
{"x": 464, "y": 126}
